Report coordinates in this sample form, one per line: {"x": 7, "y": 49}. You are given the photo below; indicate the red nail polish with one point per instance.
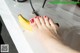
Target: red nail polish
{"x": 36, "y": 17}
{"x": 45, "y": 16}
{"x": 32, "y": 20}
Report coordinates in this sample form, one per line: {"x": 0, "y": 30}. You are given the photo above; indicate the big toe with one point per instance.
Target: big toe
{"x": 33, "y": 24}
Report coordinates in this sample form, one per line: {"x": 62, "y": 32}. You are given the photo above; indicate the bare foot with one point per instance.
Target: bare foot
{"x": 44, "y": 27}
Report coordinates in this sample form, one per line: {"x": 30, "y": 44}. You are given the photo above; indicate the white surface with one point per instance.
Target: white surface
{"x": 14, "y": 30}
{"x": 9, "y": 11}
{"x": 66, "y": 15}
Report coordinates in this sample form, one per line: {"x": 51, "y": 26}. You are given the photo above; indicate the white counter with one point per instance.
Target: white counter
{"x": 9, "y": 11}
{"x": 13, "y": 27}
{"x": 24, "y": 43}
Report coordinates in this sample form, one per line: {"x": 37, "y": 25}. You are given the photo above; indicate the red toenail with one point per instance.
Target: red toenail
{"x": 36, "y": 17}
{"x": 39, "y": 16}
{"x": 32, "y": 20}
{"x": 45, "y": 16}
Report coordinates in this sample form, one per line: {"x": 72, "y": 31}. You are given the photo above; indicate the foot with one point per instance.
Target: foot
{"x": 44, "y": 27}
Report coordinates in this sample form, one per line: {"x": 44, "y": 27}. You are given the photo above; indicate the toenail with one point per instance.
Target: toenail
{"x": 32, "y": 20}
{"x": 36, "y": 17}
{"x": 39, "y": 16}
{"x": 45, "y": 16}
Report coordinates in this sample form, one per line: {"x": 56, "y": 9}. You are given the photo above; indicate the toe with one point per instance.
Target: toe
{"x": 37, "y": 21}
{"x": 46, "y": 21}
{"x": 53, "y": 25}
{"x": 33, "y": 24}
{"x": 41, "y": 20}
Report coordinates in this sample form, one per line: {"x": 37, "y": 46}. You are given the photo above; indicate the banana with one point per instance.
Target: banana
{"x": 24, "y": 23}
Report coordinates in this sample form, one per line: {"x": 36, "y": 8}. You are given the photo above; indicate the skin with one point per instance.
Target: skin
{"x": 45, "y": 29}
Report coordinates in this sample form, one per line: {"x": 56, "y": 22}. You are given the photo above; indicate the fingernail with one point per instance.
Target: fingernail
{"x": 32, "y": 20}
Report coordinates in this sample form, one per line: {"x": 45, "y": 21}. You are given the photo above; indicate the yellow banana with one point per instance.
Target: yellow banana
{"x": 24, "y": 23}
